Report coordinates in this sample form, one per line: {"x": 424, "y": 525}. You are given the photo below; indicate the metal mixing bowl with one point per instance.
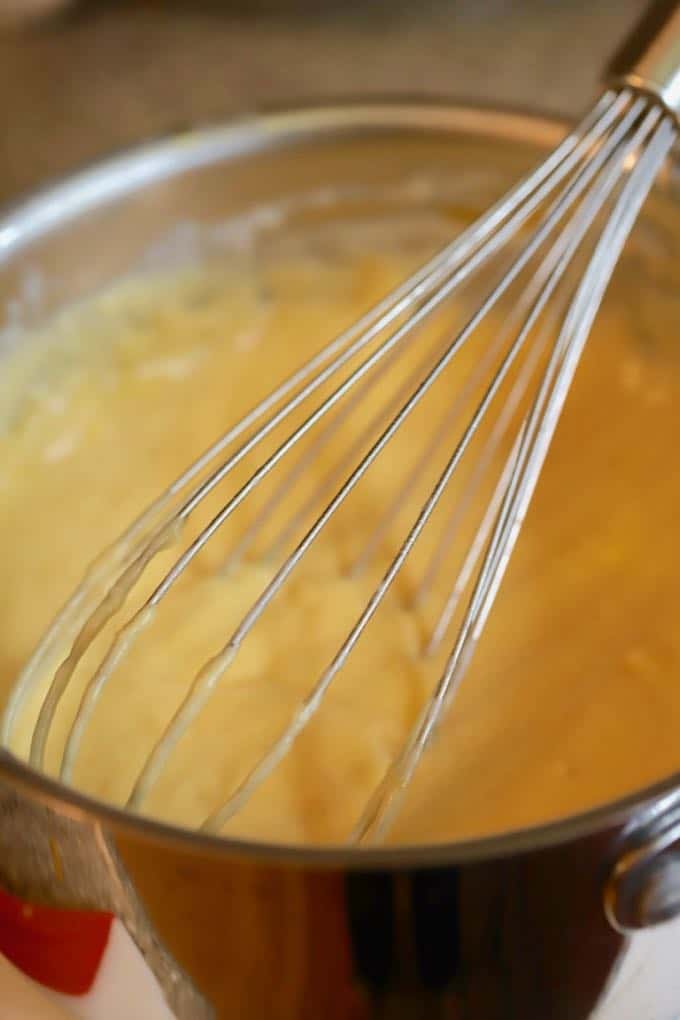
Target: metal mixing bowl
{"x": 534, "y": 924}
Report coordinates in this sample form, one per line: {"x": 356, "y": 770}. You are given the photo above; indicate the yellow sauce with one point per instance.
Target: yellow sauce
{"x": 573, "y": 697}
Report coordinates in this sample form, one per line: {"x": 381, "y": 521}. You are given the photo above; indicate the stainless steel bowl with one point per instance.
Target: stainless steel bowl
{"x": 534, "y": 924}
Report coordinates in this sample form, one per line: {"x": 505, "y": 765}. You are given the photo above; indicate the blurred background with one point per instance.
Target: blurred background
{"x": 93, "y": 76}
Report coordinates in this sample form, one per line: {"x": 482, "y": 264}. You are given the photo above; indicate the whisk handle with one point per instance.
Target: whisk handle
{"x": 649, "y": 60}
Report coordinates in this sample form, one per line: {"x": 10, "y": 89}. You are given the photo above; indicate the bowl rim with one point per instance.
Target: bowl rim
{"x": 149, "y": 163}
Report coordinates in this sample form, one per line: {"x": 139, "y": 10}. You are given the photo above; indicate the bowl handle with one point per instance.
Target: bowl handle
{"x": 643, "y": 887}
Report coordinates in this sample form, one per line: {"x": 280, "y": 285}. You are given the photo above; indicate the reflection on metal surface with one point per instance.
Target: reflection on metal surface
{"x": 50, "y": 859}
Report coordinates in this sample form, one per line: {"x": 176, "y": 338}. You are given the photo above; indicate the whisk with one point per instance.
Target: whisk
{"x": 555, "y": 238}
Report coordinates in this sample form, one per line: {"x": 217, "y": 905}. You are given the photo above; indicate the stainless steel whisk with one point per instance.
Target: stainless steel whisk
{"x": 575, "y": 210}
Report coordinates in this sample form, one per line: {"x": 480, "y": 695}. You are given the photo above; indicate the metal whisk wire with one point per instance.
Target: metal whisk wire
{"x": 119, "y": 567}
{"x": 495, "y": 562}
{"x": 526, "y": 460}
{"x": 213, "y": 671}
{"x": 605, "y": 167}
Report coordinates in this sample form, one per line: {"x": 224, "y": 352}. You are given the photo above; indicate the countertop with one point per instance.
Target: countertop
{"x": 111, "y": 74}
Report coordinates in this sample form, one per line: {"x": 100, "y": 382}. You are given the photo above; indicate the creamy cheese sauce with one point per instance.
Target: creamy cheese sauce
{"x": 573, "y": 696}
